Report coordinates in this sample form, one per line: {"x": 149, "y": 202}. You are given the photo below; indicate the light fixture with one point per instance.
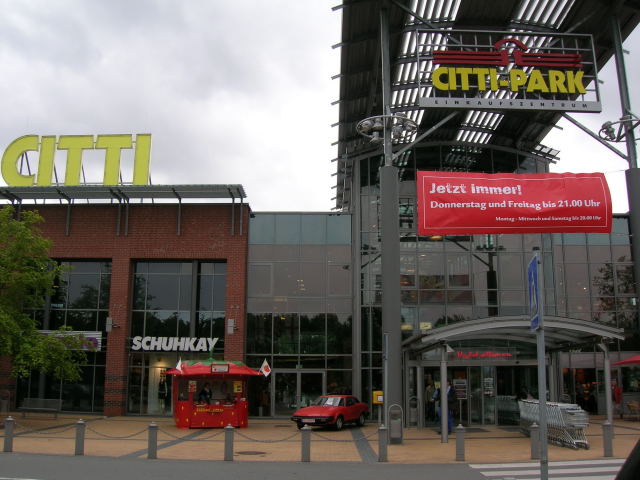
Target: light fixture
{"x": 617, "y": 131}
{"x": 373, "y": 127}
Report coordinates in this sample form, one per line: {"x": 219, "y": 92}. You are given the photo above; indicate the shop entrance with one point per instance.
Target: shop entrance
{"x": 485, "y": 394}
{"x": 296, "y": 389}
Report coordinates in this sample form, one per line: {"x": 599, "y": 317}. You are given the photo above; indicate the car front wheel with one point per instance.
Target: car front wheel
{"x": 339, "y": 423}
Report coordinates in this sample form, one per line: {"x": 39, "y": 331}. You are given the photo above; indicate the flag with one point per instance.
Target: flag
{"x": 265, "y": 369}
{"x": 178, "y": 365}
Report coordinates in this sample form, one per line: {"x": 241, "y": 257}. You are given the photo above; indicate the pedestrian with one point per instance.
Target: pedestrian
{"x": 616, "y": 391}
{"x": 451, "y": 398}
{"x": 429, "y": 401}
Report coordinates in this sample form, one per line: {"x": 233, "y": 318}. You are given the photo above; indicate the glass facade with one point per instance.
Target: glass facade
{"x": 449, "y": 279}
{"x": 172, "y": 299}
{"x": 299, "y": 307}
{"x": 81, "y": 302}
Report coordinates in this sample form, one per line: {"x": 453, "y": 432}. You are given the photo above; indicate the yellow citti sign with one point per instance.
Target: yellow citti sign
{"x": 75, "y": 145}
{"x": 465, "y": 78}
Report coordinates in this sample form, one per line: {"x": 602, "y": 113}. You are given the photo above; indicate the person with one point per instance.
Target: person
{"x": 205, "y": 394}
{"x": 616, "y": 392}
{"x": 451, "y": 398}
{"x": 429, "y": 401}
{"x": 163, "y": 392}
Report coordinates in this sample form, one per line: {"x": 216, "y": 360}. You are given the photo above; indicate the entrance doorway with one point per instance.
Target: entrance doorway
{"x": 296, "y": 389}
{"x": 485, "y": 394}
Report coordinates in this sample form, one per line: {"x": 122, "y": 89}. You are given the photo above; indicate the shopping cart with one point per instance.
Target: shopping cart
{"x": 566, "y": 422}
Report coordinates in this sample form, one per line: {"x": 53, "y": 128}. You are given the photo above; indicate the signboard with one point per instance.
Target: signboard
{"x": 92, "y": 340}
{"x": 192, "y": 385}
{"x": 173, "y": 344}
{"x": 75, "y": 145}
{"x": 454, "y": 203}
{"x": 487, "y": 383}
{"x": 507, "y": 71}
{"x": 460, "y": 387}
{"x": 237, "y": 386}
{"x": 532, "y": 281}
{"x": 378, "y": 397}
{"x": 460, "y": 355}
{"x": 220, "y": 368}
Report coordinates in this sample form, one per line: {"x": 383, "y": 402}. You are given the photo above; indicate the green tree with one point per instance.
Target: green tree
{"x": 27, "y": 275}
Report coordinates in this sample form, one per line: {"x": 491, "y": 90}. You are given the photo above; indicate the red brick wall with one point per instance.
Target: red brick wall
{"x": 206, "y": 234}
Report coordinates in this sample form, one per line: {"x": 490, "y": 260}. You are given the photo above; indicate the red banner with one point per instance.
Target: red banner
{"x": 474, "y": 203}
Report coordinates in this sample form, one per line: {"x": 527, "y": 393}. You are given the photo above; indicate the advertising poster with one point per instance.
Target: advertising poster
{"x": 454, "y": 203}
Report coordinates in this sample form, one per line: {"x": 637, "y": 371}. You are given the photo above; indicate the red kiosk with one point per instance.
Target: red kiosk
{"x": 225, "y": 403}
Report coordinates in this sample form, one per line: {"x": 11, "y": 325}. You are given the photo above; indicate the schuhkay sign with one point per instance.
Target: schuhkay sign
{"x": 476, "y": 203}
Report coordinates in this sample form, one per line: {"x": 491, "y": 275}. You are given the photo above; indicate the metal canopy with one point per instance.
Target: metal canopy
{"x": 122, "y": 192}
{"x": 560, "y": 332}
{"x": 360, "y": 79}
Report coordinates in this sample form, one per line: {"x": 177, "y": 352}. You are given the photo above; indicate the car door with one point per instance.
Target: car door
{"x": 352, "y": 409}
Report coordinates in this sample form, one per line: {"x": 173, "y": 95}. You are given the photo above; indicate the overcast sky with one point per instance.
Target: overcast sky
{"x": 233, "y": 92}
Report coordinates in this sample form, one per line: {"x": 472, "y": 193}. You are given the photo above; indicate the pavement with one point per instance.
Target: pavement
{"x": 278, "y": 440}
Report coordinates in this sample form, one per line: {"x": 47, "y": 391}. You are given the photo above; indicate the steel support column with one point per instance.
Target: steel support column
{"x": 632, "y": 174}
{"x": 390, "y": 235}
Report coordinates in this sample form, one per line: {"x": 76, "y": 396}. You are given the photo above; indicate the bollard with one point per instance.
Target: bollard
{"x": 152, "y": 448}
{"x": 460, "y": 443}
{"x": 228, "y": 443}
{"x": 535, "y": 441}
{"x": 306, "y": 443}
{"x": 8, "y": 434}
{"x": 395, "y": 424}
{"x": 382, "y": 443}
{"x": 80, "y": 426}
{"x": 607, "y": 438}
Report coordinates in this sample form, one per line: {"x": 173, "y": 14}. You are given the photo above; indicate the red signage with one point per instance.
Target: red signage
{"x": 500, "y": 58}
{"x": 475, "y": 203}
{"x": 476, "y": 354}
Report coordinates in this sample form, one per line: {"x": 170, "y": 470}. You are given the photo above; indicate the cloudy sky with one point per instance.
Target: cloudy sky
{"x": 232, "y": 91}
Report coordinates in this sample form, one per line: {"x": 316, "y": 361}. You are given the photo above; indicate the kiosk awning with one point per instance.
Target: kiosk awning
{"x": 211, "y": 367}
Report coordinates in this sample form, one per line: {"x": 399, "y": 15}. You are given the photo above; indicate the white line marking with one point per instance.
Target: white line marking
{"x": 554, "y": 464}
{"x": 556, "y": 471}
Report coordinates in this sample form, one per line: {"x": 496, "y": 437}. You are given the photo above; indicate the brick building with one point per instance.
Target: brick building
{"x": 161, "y": 270}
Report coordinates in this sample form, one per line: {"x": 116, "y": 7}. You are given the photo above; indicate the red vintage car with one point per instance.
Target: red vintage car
{"x": 332, "y": 410}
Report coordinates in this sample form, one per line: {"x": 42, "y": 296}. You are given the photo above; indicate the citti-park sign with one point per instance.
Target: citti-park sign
{"x": 75, "y": 146}
{"x": 507, "y": 71}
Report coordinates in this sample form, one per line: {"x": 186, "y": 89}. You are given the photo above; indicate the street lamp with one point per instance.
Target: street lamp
{"x": 398, "y": 123}
{"x": 619, "y": 130}
{"x": 383, "y": 129}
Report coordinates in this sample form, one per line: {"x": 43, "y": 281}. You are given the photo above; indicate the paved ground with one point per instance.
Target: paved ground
{"x": 269, "y": 440}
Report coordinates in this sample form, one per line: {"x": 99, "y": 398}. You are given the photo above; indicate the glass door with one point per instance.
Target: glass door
{"x": 311, "y": 387}
{"x": 488, "y": 395}
{"x": 296, "y": 389}
{"x": 286, "y": 386}
{"x": 482, "y": 395}
{"x": 475, "y": 396}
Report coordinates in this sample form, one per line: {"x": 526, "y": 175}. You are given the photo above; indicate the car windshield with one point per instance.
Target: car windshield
{"x": 329, "y": 401}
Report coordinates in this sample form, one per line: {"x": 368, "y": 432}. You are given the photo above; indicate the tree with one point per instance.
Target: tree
{"x": 27, "y": 275}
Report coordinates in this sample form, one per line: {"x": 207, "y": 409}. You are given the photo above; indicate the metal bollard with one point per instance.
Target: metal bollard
{"x": 80, "y": 427}
{"x": 460, "y": 443}
{"x": 8, "y": 434}
{"x": 607, "y": 438}
{"x": 152, "y": 448}
{"x": 535, "y": 441}
{"x": 306, "y": 443}
{"x": 382, "y": 443}
{"x": 228, "y": 443}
